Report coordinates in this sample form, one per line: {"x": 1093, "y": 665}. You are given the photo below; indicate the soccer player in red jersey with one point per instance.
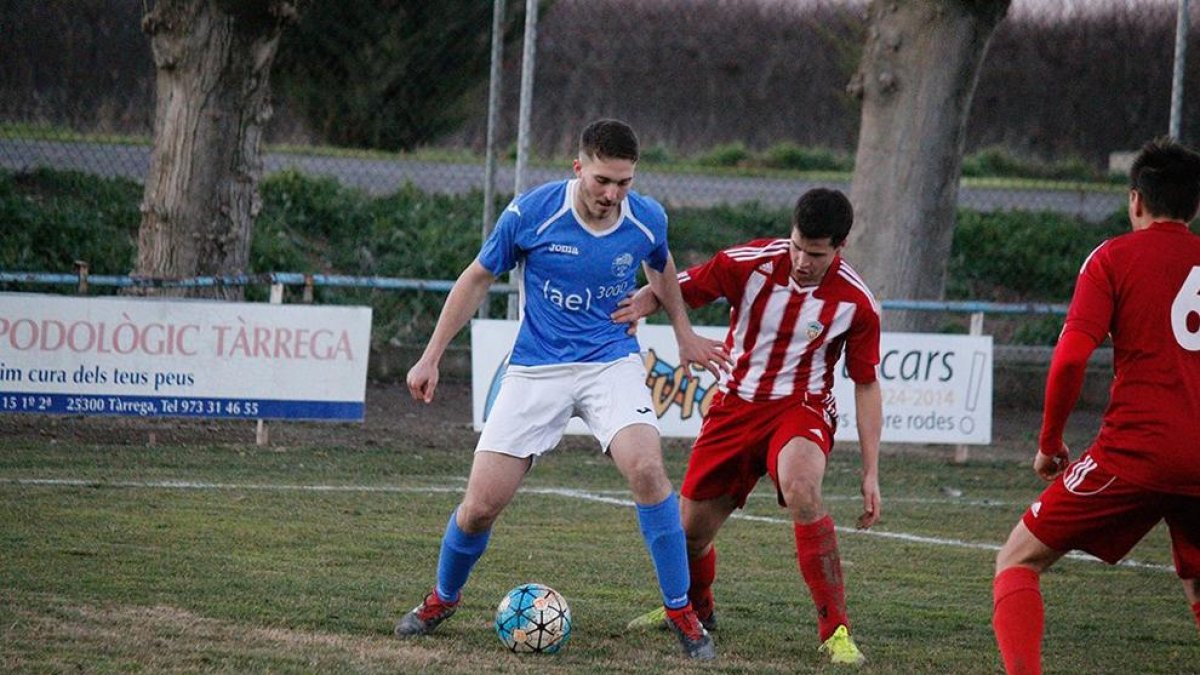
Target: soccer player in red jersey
{"x": 796, "y": 306}
{"x": 1143, "y": 289}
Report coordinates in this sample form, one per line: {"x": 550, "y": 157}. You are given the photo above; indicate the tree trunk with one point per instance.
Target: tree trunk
{"x": 916, "y": 79}
{"x": 213, "y": 60}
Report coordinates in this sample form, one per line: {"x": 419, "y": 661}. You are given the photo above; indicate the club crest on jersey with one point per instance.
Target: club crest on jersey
{"x": 621, "y": 265}
{"x": 813, "y": 329}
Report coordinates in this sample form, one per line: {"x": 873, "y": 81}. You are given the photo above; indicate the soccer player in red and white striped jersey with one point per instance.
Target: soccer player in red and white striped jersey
{"x": 788, "y": 327}
{"x": 795, "y": 307}
{"x": 1143, "y": 289}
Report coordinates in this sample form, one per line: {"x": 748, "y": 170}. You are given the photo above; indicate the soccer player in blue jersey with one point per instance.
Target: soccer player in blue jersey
{"x": 576, "y": 245}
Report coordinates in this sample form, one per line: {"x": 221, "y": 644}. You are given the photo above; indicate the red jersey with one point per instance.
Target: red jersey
{"x": 1143, "y": 288}
{"x": 784, "y": 339}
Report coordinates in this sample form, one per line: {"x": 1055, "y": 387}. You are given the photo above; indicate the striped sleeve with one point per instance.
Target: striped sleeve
{"x": 724, "y": 275}
{"x": 862, "y": 344}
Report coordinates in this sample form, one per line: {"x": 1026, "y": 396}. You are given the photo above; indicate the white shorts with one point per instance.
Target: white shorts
{"x": 535, "y": 403}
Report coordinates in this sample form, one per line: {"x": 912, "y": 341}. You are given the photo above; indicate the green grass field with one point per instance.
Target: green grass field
{"x": 299, "y": 560}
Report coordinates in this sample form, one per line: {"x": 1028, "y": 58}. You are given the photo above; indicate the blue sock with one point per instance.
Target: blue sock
{"x": 459, "y": 553}
{"x": 664, "y": 537}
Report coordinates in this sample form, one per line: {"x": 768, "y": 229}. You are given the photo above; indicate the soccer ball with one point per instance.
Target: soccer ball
{"x": 533, "y": 618}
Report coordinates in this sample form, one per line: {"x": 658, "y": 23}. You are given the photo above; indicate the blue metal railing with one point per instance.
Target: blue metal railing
{"x": 82, "y": 280}
{"x": 266, "y": 278}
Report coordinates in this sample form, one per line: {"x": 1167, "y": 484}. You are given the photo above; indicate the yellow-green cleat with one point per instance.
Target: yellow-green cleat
{"x": 841, "y": 648}
{"x": 655, "y": 618}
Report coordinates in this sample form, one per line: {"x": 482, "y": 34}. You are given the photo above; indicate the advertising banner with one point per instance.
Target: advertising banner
{"x": 182, "y": 358}
{"x": 936, "y": 388}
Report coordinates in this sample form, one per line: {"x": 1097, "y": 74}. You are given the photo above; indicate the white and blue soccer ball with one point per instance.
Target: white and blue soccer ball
{"x": 533, "y": 618}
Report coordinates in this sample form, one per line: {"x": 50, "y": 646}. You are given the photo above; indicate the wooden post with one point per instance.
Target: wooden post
{"x": 81, "y": 270}
{"x": 961, "y": 451}
{"x": 262, "y": 435}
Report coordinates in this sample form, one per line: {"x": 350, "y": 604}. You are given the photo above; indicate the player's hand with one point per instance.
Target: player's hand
{"x": 634, "y": 307}
{"x": 422, "y": 380}
{"x": 872, "y": 504}
{"x": 711, "y": 355}
{"x": 1049, "y": 465}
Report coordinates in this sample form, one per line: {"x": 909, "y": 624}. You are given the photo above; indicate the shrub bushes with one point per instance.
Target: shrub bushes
{"x": 1019, "y": 256}
{"x": 782, "y": 156}
{"x": 1000, "y": 163}
{"x": 314, "y": 225}
{"x": 795, "y": 158}
{"x": 50, "y": 219}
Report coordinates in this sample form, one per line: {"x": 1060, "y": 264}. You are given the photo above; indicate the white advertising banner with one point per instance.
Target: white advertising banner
{"x": 936, "y": 388}
{"x": 182, "y": 358}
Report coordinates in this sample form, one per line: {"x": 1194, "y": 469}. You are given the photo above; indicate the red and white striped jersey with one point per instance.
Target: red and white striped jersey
{"x": 785, "y": 340}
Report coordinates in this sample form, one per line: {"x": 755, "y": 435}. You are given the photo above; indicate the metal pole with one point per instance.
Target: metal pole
{"x": 489, "y": 165}
{"x": 1181, "y": 28}
{"x": 527, "y": 59}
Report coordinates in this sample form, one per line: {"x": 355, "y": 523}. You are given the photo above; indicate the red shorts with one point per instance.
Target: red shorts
{"x": 740, "y": 441}
{"x": 1089, "y": 509}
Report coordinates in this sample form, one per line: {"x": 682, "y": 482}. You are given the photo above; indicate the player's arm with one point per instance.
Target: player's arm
{"x": 1063, "y": 384}
{"x": 699, "y": 286}
{"x": 862, "y": 364}
{"x": 1088, "y": 318}
{"x": 464, "y": 299}
{"x": 635, "y": 307}
{"x": 868, "y": 410}
{"x": 693, "y": 349}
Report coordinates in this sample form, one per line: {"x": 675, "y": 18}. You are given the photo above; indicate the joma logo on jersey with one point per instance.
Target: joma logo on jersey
{"x": 564, "y": 248}
{"x": 572, "y": 302}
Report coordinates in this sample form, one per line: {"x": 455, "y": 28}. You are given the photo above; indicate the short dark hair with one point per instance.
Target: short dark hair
{"x": 1167, "y": 175}
{"x": 609, "y": 139}
{"x": 822, "y": 213}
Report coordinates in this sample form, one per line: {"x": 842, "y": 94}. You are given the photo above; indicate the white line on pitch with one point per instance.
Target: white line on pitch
{"x": 201, "y": 485}
{"x": 603, "y": 498}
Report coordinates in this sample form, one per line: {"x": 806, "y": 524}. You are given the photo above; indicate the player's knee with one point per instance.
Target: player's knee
{"x": 803, "y": 499}
{"x": 642, "y": 467}
{"x": 650, "y": 488}
{"x": 697, "y": 546}
{"x": 1009, "y": 555}
{"x": 1191, "y": 588}
{"x": 476, "y": 516}
{"x": 1025, "y": 550}
{"x": 648, "y": 482}
{"x": 805, "y": 515}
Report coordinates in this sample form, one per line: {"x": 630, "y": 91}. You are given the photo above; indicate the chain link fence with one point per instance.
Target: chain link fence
{"x": 1057, "y": 97}
{"x": 380, "y": 176}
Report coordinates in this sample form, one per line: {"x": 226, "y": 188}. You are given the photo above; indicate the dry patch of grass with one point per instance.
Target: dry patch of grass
{"x": 172, "y": 639}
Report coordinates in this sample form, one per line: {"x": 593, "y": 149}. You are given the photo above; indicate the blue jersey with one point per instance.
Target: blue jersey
{"x": 572, "y": 277}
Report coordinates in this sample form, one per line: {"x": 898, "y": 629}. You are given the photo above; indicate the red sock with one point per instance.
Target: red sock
{"x": 1196, "y": 613}
{"x": 1018, "y": 617}
{"x": 703, "y": 572}
{"x": 817, "y": 553}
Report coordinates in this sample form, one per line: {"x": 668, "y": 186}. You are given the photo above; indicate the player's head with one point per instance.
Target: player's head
{"x": 608, "y": 139}
{"x": 1166, "y": 175}
{"x": 820, "y": 223}
{"x": 608, "y": 154}
{"x": 822, "y": 213}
